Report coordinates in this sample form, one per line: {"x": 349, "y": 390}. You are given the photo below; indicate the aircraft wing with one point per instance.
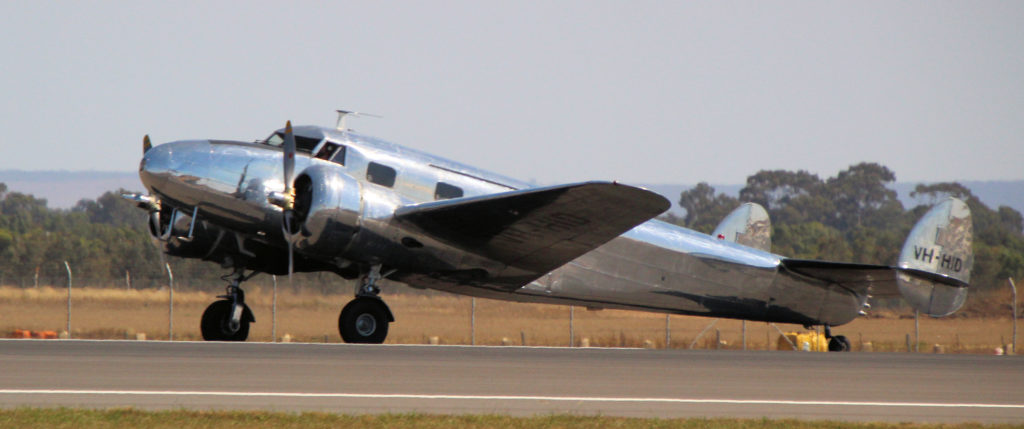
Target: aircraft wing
{"x": 540, "y": 229}
{"x": 878, "y": 280}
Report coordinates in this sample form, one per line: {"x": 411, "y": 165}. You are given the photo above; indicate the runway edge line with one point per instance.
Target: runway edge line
{"x": 502, "y": 398}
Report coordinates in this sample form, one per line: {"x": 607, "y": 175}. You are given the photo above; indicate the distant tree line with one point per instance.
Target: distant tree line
{"x": 856, "y": 217}
{"x": 851, "y": 217}
{"x": 106, "y": 242}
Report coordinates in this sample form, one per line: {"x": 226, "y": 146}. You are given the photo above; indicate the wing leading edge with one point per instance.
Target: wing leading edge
{"x": 537, "y": 230}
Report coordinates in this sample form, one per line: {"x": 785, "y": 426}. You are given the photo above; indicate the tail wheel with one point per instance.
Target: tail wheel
{"x": 838, "y": 343}
{"x": 364, "y": 320}
{"x": 216, "y": 326}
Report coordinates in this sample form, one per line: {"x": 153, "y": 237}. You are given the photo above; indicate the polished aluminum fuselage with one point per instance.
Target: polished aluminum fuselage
{"x": 655, "y": 266}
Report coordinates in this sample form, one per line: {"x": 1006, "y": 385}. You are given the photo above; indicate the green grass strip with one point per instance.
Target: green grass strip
{"x": 132, "y": 418}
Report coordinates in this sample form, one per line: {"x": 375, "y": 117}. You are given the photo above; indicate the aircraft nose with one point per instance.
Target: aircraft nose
{"x": 166, "y": 159}
{"x": 156, "y": 159}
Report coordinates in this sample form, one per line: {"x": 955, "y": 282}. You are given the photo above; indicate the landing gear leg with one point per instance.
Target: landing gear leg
{"x": 229, "y": 318}
{"x": 365, "y": 319}
{"x": 837, "y": 343}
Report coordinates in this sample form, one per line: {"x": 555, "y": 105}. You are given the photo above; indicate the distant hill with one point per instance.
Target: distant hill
{"x": 63, "y": 189}
{"x": 992, "y": 193}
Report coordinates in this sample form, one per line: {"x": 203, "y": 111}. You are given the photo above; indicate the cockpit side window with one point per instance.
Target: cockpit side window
{"x": 381, "y": 174}
{"x": 332, "y": 152}
{"x": 339, "y": 155}
{"x": 306, "y": 144}
{"x": 444, "y": 191}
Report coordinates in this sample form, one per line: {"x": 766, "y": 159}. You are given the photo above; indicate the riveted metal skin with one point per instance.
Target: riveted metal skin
{"x": 348, "y": 221}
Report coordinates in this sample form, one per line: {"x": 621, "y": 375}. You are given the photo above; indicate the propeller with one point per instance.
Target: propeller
{"x": 151, "y": 204}
{"x": 289, "y": 166}
{"x": 288, "y": 199}
{"x": 148, "y": 201}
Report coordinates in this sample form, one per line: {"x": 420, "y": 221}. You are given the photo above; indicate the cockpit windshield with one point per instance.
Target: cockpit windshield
{"x": 302, "y": 143}
{"x": 276, "y": 139}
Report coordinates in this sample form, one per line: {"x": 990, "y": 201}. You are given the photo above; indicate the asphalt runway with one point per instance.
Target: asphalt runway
{"x": 511, "y": 380}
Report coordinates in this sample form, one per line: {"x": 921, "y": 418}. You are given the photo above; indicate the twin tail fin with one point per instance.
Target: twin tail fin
{"x": 934, "y": 267}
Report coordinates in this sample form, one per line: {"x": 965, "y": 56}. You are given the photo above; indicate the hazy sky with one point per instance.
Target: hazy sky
{"x": 554, "y": 91}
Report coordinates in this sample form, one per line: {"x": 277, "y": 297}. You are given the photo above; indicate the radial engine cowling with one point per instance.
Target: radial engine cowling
{"x": 327, "y": 210}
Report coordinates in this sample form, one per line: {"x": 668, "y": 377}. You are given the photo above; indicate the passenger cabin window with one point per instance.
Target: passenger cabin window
{"x": 332, "y": 152}
{"x": 381, "y": 174}
{"x": 444, "y": 191}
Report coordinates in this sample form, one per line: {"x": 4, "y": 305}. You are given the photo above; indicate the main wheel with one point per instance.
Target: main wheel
{"x": 216, "y": 326}
{"x": 364, "y": 320}
{"x": 838, "y": 343}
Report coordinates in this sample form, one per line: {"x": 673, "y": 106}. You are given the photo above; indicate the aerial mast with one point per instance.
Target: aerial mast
{"x": 344, "y": 114}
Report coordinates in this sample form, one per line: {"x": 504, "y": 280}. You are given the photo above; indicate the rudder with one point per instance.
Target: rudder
{"x": 748, "y": 225}
{"x": 936, "y": 260}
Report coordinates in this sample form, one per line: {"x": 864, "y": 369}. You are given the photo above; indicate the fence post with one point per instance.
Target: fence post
{"x": 572, "y": 332}
{"x": 127, "y": 280}
{"x": 170, "y": 302}
{"x": 917, "y": 332}
{"x": 67, "y": 267}
{"x": 1013, "y": 288}
{"x": 273, "y": 313}
{"x": 744, "y": 335}
{"x": 668, "y": 332}
{"x": 472, "y": 321}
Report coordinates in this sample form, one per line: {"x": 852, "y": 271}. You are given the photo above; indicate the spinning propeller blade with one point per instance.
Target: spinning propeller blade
{"x": 289, "y": 191}
{"x": 289, "y": 164}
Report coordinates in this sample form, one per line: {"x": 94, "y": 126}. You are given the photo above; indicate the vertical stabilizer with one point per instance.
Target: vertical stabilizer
{"x": 935, "y": 264}
{"x": 747, "y": 225}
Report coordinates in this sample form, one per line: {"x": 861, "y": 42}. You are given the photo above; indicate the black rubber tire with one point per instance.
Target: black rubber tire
{"x": 214, "y": 324}
{"x": 364, "y": 321}
{"x": 838, "y": 343}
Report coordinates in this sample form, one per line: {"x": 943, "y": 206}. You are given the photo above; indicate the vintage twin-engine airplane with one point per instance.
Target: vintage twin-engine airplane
{"x": 364, "y": 208}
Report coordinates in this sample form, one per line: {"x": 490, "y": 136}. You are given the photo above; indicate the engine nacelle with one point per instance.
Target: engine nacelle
{"x": 328, "y": 205}
{"x": 180, "y": 236}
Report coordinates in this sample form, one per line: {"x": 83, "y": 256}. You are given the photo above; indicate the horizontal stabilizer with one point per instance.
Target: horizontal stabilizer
{"x": 856, "y": 277}
{"x": 539, "y": 229}
{"x": 933, "y": 271}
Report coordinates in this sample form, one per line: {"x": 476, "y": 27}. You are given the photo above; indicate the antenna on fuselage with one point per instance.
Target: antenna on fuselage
{"x": 344, "y": 114}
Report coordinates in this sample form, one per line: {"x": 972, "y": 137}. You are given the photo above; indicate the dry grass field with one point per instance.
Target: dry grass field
{"x": 309, "y": 317}
{"x": 178, "y": 419}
